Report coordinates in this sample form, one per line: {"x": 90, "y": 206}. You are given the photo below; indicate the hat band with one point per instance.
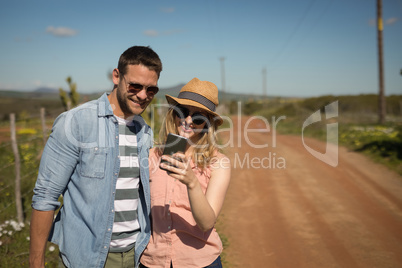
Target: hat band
{"x": 198, "y": 98}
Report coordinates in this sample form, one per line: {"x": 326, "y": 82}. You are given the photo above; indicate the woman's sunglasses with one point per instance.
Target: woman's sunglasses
{"x": 182, "y": 113}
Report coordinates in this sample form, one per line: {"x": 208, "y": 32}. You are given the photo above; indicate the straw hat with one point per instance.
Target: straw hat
{"x": 201, "y": 94}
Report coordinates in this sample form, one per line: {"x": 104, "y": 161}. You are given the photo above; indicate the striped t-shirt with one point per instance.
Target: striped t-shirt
{"x": 126, "y": 226}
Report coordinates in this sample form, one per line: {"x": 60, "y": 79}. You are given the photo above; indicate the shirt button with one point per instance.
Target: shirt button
{"x": 96, "y": 148}
{"x": 169, "y": 227}
{"x": 108, "y": 229}
{"x": 105, "y": 247}
{"x": 117, "y": 137}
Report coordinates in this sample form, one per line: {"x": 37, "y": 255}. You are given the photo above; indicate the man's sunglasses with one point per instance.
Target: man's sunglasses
{"x": 135, "y": 88}
{"x": 151, "y": 91}
{"x": 182, "y": 113}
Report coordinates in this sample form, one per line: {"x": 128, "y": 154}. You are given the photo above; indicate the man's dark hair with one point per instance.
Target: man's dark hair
{"x": 140, "y": 55}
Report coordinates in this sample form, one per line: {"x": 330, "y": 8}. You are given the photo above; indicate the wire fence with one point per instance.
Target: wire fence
{"x": 19, "y": 159}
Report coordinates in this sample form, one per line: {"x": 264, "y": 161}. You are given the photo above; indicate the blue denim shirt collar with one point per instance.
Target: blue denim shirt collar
{"x": 104, "y": 107}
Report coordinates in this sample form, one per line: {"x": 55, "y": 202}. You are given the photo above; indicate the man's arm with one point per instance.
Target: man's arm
{"x": 41, "y": 222}
{"x": 58, "y": 162}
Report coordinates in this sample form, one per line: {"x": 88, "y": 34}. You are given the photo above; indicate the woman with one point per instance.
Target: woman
{"x": 186, "y": 198}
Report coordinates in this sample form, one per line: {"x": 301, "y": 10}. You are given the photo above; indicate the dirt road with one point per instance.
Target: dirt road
{"x": 308, "y": 213}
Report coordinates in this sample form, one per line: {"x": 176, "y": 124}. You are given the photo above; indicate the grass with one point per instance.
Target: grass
{"x": 383, "y": 144}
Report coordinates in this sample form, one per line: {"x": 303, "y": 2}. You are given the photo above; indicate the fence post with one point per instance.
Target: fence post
{"x": 400, "y": 106}
{"x": 43, "y": 119}
{"x": 18, "y": 203}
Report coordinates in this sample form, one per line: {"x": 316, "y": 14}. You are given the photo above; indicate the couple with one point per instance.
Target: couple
{"x": 121, "y": 206}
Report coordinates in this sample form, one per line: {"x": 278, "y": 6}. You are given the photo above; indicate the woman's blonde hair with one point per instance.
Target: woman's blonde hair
{"x": 206, "y": 147}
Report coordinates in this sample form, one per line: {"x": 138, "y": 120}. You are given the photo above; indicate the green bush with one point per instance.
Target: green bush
{"x": 382, "y": 143}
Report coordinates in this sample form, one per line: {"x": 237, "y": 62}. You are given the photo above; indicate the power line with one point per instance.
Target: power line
{"x": 264, "y": 82}
{"x": 295, "y": 30}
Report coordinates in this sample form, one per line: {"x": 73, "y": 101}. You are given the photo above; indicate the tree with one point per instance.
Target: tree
{"x": 74, "y": 96}
{"x": 72, "y": 99}
{"x": 64, "y": 99}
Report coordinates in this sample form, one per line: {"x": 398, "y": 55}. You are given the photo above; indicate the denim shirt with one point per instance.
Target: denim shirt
{"x": 81, "y": 162}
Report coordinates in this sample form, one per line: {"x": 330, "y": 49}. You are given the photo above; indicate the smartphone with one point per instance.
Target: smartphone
{"x": 174, "y": 144}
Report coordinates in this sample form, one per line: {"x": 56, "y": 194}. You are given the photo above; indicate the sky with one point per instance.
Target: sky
{"x": 306, "y": 47}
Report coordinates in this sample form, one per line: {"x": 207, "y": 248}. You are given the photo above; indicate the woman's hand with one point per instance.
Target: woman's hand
{"x": 181, "y": 169}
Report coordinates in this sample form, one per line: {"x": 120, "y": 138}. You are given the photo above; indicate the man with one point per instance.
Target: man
{"x": 97, "y": 158}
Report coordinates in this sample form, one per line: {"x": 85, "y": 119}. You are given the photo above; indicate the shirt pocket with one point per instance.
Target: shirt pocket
{"x": 93, "y": 162}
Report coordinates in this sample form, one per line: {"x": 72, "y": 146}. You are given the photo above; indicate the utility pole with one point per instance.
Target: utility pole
{"x": 381, "y": 98}
{"x": 264, "y": 81}
{"x": 222, "y": 59}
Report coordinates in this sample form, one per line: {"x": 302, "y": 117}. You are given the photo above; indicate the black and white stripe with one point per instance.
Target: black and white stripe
{"x": 126, "y": 226}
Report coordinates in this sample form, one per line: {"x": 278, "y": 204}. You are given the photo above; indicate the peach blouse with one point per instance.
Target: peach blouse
{"x": 175, "y": 236}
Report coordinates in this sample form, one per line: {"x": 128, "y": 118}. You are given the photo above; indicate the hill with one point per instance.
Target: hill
{"x": 29, "y": 103}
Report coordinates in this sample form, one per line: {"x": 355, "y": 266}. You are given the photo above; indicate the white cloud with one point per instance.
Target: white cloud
{"x": 61, "y": 31}
{"x": 152, "y": 33}
{"x": 391, "y": 21}
{"x": 167, "y": 9}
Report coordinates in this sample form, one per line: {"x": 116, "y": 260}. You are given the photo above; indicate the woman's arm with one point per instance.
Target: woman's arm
{"x": 204, "y": 207}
